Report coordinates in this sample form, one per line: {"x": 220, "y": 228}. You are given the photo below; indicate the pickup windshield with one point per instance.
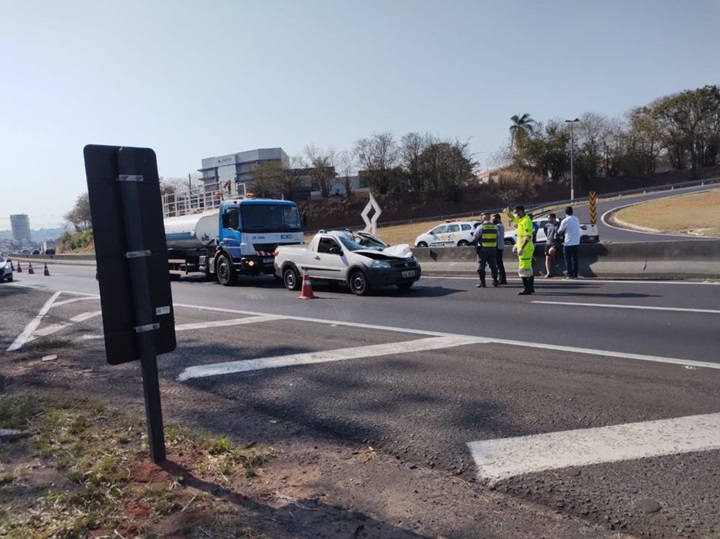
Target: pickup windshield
{"x": 350, "y": 244}
{"x": 270, "y": 218}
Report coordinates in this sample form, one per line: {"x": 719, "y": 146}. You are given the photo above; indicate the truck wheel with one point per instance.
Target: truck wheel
{"x": 359, "y": 283}
{"x": 422, "y": 244}
{"x": 463, "y": 243}
{"x": 225, "y": 271}
{"x": 291, "y": 279}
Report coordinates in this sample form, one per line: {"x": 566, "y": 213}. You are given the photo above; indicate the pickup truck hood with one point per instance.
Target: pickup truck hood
{"x": 394, "y": 252}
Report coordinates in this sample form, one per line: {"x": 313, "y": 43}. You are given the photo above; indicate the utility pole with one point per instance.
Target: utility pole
{"x": 572, "y": 163}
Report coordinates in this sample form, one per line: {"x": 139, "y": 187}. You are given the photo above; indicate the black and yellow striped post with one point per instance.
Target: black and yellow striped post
{"x": 593, "y": 207}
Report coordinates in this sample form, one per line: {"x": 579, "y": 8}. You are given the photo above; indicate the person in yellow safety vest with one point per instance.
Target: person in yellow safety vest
{"x": 523, "y": 247}
{"x": 486, "y": 238}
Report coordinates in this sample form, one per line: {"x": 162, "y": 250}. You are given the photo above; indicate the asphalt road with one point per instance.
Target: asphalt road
{"x": 426, "y": 374}
{"x": 609, "y": 233}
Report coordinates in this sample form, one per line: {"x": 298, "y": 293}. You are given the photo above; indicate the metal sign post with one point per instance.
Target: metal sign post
{"x": 131, "y": 253}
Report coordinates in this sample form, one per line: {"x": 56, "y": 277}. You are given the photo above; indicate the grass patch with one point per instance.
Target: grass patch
{"x": 697, "y": 213}
{"x": 107, "y": 479}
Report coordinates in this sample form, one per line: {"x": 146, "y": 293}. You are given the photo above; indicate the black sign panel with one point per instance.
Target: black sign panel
{"x": 130, "y": 247}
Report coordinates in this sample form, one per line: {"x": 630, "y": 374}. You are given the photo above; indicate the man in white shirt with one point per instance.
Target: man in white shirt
{"x": 570, "y": 227}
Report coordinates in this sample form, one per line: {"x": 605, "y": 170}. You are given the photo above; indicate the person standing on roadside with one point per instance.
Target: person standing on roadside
{"x": 497, "y": 221}
{"x": 486, "y": 237}
{"x": 570, "y": 227}
{"x": 550, "y": 244}
{"x": 523, "y": 247}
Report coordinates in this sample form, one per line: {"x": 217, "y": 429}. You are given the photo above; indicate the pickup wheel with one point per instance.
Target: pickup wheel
{"x": 291, "y": 279}
{"x": 422, "y": 244}
{"x": 359, "y": 283}
{"x": 462, "y": 243}
{"x": 226, "y": 275}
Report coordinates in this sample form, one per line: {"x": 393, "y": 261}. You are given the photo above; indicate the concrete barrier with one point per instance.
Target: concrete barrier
{"x": 651, "y": 260}
{"x": 79, "y": 260}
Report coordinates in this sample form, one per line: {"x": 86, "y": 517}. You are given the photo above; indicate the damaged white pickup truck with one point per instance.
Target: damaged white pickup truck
{"x": 339, "y": 256}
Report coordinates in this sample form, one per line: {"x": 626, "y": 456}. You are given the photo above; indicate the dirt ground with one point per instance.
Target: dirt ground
{"x": 308, "y": 485}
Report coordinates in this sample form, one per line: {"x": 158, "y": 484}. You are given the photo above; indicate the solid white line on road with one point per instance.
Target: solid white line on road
{"x": 225, "y": 323}
{"x": 588, "y": 281}
{"x": 27, "y": 333}
{"x": 509, "y": 457}
{"x": 85, "y": 316}
{"x": 65, "y": 302}
{"x": 342, "y": 354}
{"x": 638, "y": 307}
{"x": 49, "y": 330}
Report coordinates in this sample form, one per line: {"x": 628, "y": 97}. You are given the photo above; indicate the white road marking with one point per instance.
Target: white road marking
{"x": 85, "y": 316}
{"x": 585, "y": 280}
{"x": 65, "y": 302}
{"x": 49, "y": 330}
{"x": 509, "y": 457}
{"x": 27, "y": 333}
{"x": 525, "y": 344}
{"x": 638, "y": 307}
{"x": 342, "y": 354}
{"x": 225, "y": 323}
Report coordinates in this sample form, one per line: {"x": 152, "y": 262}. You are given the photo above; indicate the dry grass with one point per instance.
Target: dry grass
{"x": 398, "y": 234}
{"x": 697, "y": 214}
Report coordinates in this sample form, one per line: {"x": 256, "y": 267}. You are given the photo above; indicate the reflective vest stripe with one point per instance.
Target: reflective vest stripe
{"x": 489, "y": 235}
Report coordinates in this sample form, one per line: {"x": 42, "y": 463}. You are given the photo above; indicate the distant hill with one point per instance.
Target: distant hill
{"x": 37, "y": 235}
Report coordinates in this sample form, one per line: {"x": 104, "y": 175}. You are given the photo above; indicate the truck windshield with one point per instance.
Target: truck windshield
{"x": 270, "y": 218}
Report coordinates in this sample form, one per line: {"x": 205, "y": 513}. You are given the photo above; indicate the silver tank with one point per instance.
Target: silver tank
{"x": 192, "y": 231}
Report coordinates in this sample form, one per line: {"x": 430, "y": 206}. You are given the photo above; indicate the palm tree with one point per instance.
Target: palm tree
{"x": 522, "y": 127}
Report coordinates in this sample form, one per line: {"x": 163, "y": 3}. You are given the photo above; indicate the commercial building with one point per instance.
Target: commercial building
{"x": 238, "y": 168}
{"x": 20, "y": 224}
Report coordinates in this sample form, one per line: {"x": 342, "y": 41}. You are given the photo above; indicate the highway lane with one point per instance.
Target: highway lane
{"x": 665, "y": 319}
{"x": 423, "y": 404}
{"x": 618, "y": 235}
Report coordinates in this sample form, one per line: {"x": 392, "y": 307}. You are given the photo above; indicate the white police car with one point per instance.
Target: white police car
{"x": 448, "y": 234}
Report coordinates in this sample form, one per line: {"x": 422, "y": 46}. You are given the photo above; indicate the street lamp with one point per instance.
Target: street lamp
{"x": 572, "y": 165}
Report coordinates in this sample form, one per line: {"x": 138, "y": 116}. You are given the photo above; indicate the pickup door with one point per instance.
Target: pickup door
{"x": 328, "y": 261}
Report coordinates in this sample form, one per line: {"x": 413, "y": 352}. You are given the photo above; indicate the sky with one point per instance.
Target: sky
{"x": 196, "y": 79}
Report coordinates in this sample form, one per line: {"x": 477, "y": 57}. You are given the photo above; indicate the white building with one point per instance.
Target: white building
{"x": 20, "y": 227}
{"x": 239, "y": 167}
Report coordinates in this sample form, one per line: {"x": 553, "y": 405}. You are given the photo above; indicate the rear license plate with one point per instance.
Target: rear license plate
{"x": 408, "y": 274}
{"x": 268, "y": 260}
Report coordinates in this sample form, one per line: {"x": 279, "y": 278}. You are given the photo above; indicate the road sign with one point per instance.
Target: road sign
{"x": 593, "y": 207}
{"x": 131, "y": 255}
{"x": 371, "y": 222}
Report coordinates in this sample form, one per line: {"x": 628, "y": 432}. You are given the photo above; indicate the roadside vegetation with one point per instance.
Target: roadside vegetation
{"x": 697, "y": 214}
{"x": 81, "y": 469}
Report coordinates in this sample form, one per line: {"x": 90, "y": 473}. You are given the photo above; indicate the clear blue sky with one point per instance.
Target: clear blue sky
{"x": 195, "y": 79}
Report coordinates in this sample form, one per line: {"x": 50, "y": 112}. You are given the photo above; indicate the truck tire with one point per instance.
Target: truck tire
{"x": 226, "y": 275}
{"x": 359, "y": 283}
{"x": 291, "y": 278}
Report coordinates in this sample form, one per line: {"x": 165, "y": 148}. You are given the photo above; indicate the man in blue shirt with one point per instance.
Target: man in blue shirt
{"x": 570, "y": 227}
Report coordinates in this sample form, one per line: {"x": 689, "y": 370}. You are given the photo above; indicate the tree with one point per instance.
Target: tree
{"x": 521, "y": 129}
{"x": 79, "y": 216}
{"x": 412, "y": 145}
{"x": 267, "y": 178}
{"x": 322, "y": 171}
{"x": 378, "y": 155}
{"x": 446, "y": 166}
{"x": 347, "y": 164}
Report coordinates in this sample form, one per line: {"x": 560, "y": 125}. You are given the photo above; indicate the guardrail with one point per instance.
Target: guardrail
{"x": 651, "y": 260}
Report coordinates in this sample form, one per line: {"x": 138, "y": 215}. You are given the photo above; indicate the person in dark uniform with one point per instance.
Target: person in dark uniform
{"x": 486, "y": 238}
{"x": 497, "y": 221}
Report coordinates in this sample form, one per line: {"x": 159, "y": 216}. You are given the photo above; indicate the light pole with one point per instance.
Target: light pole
{"x": 572, "y": 164}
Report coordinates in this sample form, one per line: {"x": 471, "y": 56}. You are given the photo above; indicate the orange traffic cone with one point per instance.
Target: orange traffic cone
{"x": 47, "y": 271}
{"x": 31, "y": 271}
{"x": 19, "y": 270}
{"x": 306, "y": 291}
